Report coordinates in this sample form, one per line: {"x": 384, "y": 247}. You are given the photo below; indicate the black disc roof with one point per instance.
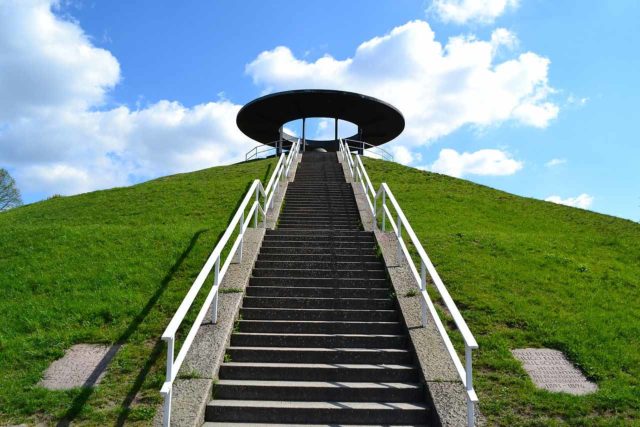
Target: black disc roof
{"x": 262, "y": 118}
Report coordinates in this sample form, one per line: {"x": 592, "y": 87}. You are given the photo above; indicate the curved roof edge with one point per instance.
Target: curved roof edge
{"x": 262, "y": 118}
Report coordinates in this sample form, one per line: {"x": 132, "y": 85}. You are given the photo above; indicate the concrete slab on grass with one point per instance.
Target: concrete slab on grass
{"x": 550, "y": 370}
{"x": 83, "y": 365}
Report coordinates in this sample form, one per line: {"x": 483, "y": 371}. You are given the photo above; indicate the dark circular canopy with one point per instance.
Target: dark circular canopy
{"x": 262, "y": 118}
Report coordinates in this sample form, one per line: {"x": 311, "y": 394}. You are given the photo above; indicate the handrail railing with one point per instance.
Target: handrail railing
{"x": 270, "y": 147}
{"x": 359, "y": 174}
{"x": 242, "y": 221}
{"x": 369, "y": 149}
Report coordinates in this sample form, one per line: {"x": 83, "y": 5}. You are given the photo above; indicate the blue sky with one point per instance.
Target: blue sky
{"x": 534, "y": 97}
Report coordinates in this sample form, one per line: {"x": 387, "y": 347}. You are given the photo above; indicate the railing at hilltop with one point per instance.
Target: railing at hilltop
{"x": 379, "y": 198}
{"x": 369, "y": 150}
{"x": 242, "y": 222}
{"x": 269, "y": 149}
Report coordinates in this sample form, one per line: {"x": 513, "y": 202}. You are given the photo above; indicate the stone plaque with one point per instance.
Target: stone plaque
{"x": 550, "y": 370}
{"x": 83, "y": 365}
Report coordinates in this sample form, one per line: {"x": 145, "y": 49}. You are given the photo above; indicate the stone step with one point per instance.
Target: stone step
{"x": 329, "y": 222}
{"x": 285, "y": 249}
{"x": 318, "y": 243}
{"x": 302, "y": 327}
{"x": 306, "y": 218}
{"x": 322, "y": 205}
{"x": 269, "y": 411}
{"x": 319, "y": 214}
{"x": 302, "y": 236}
{"x": 318, "y": 206}
{"x": 278, "y": 232}
{"x": 323, "y": 265}
{"x": 342, "y": 315}
{"x": 253, "y": 339}
{"x": 309, "y": 292}
{"x": 230, "y": 424}
{"x": 319, "y": 196}
{"x": 319, "y": 391}
{"x": 320, "y": 282}
{"x": 319, "y": 303}
{"x": 323, "y": 226}
{"x": 317, "y": 257}
{"x": 319, "y": 371}
{"x": 319, "y": 355}
{"x": 304, "y": 273}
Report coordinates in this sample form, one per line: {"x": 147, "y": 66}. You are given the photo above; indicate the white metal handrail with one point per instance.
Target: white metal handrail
{"x": 359, "y": 174}
{"x": 242, "y": 221}
{"x": 268, "y": 149}
{"x": 258, "y": 150}
{"x": 369, "y": 149}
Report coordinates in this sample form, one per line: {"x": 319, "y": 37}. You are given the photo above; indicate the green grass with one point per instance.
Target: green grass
{"x": 527, "y": 273}
{"x": 105, "y": 267}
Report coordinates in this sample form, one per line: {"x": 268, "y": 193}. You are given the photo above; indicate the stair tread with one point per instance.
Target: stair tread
{"x": 279, "y": 334}
{"x": 322, "y": 349}
{"x": 241, "y": 424}
{"x": 360, "y": 310}
{"x": 331, "y": 366}
{"x": 370, "y": 406}
{"x": 321, "y": 384}
{"x": 319, "y": 322}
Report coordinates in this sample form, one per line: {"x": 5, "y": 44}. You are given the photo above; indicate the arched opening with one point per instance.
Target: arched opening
{"x": 320, "y": 128}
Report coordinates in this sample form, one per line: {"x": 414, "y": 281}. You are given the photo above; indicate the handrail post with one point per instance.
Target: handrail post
{"x": 468, "y": 370}
{"x": 399, "y": 226}
{"x": 423, "y": 287}
{"x": 166, "y": 415}
{"x": 375, "y": 211}
{"x": 384, "y": 209}
{"x": 255, "y": 217}
{"x": 241, "y": 237}
{"x": 216, "y": 282}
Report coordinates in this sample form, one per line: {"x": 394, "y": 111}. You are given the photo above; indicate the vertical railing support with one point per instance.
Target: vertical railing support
{"x": 166, "y": 414}
{"x": 399, "y": 227}
{"x": 423, "y": 287}
{"x": 469, "y": 386}
{"x": 216, "y": 282}
{"x": 238, "y": 257}
{"x": 255, "y": 218}
{"x": 384, "y": 209}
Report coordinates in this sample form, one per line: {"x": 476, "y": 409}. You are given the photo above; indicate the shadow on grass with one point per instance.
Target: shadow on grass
{"x": 80, "y": 400}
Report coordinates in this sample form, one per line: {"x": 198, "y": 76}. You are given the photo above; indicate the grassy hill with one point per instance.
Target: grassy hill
{"x": 527, "y": 273}
{"x": 105, "y": 267}
{"x": 112, "y": 266}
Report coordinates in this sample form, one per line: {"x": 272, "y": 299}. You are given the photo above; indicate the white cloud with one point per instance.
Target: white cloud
{"x": 48, "y": 63}
{"x": 555, "y": 162}
{"x": 464, "y": 11}
{"x": 438, "y": 88}
{"x": 481, "y": 162}
{"x": 583, "y": 201}
{"x": 55, "y": 132}
{"x": 403, "y": 155}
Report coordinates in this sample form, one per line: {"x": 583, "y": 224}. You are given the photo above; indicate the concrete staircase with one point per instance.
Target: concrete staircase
{"x": 320, "y": 340}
